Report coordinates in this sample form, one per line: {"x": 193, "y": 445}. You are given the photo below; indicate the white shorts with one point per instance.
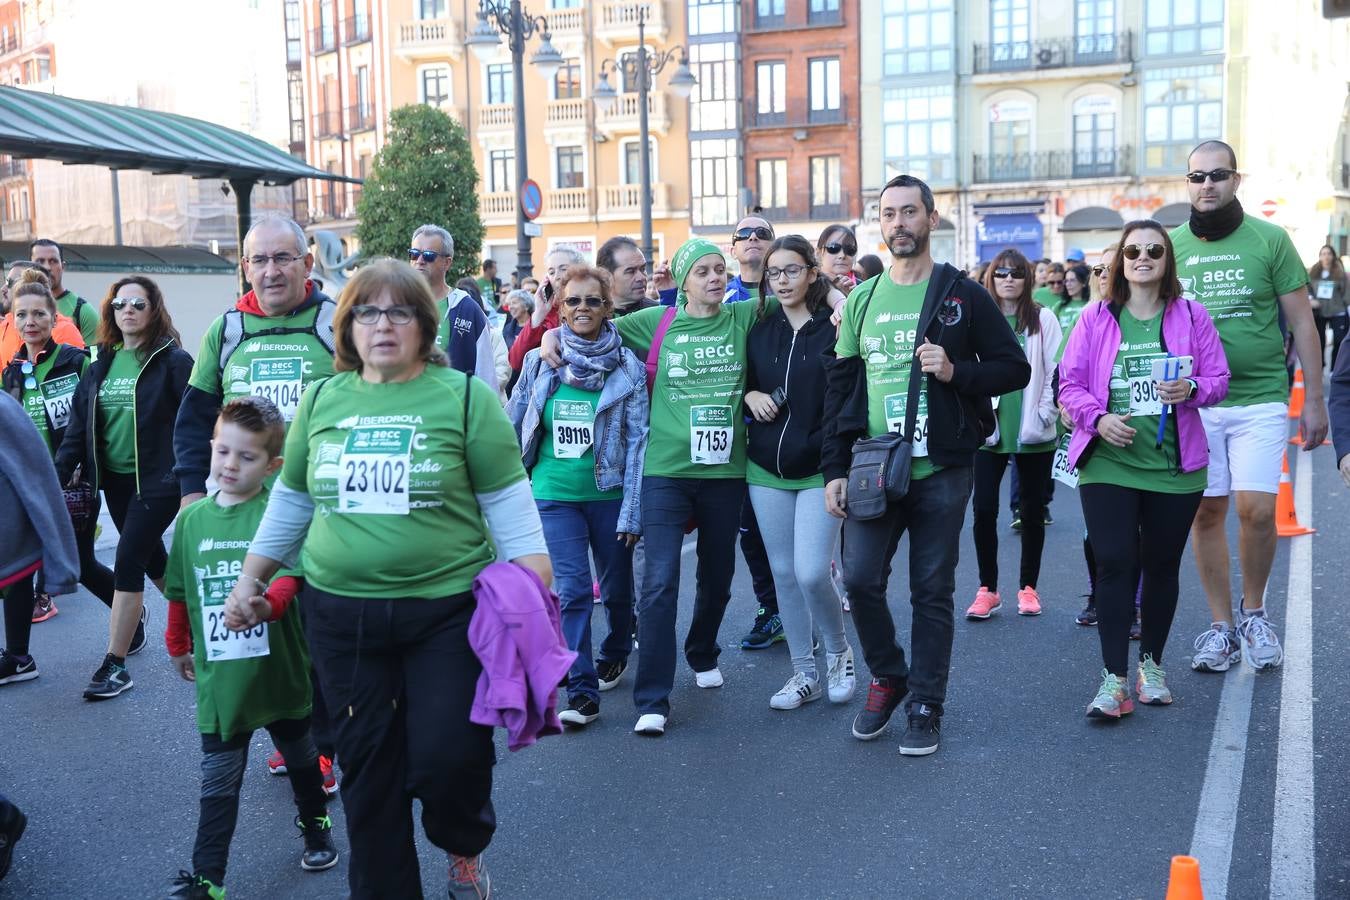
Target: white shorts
{"x": 1246, "y": 447}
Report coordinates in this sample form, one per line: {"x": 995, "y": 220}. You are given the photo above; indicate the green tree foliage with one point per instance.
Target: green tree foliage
{"x": 424, "y": 174}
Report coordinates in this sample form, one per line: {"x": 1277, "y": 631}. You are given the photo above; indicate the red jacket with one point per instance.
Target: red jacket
{"x": 530, "y": 337}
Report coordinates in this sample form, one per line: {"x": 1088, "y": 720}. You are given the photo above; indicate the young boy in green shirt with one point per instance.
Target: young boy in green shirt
{"x": 256, "y": 678}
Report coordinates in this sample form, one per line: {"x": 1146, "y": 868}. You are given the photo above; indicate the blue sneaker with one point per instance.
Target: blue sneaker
{"x": 767, "y": 631}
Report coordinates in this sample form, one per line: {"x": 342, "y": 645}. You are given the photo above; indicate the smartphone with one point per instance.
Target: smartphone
{"x": 1173, "y": 367}
{"x": 779, "y": 397}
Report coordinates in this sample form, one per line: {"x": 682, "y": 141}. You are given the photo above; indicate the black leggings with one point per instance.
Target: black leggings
{"x": 1034, "y": 473}
{"x": 1136, "y": 532}
{"x": 141, "y": 523}
{"x": 19, "y": 615}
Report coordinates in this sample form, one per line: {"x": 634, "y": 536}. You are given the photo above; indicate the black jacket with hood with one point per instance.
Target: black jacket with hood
{"x": 781, "y": 357}
{"x": 69, "y": 361}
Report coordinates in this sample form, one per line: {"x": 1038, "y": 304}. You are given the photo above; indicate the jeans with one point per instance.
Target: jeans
{"x": 934, "y": 513}
{"x": 399, "y": 676}
{"x": 574, "y": 533}
{"x": 667, "y": 503}
{"x": 222, "y": 774}
{"x": 757, "y": 559}
{"x": 1034, "y": 469}
{"x": 800, "y": 536}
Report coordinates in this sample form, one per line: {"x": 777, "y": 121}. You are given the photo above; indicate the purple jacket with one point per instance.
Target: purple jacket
{"x": 1085, "y": 372}
{"x": 516, "y": 632}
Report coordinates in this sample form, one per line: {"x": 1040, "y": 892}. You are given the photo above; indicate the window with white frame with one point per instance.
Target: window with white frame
{"x": 632, "y": 161}
{"x": 1182, "y": 107}
{"x": 824, "y": 97}
{"x": 571, "y": 167}
{"x": 567, "y": 82}
{"x": 714, "y": 98}
{"x": 916, "y": 36}
{"x": 432, "y": 9}
{"x": 825, "y": 192}
{"x": 1094, "y": 137}
{"x": 1183, "y": 27}
{"x": 770, "y": 92}
{"x": 501, "y": 171}
{"x": 771, "y": 184}
{"x": 1009, "y": 140}
{"x": 1094, "y": 29}
{"x": 435, "y": 85}
{"x": 1010, "y": 32}
{"x": 918, "y": 133}
{"x": 713, "y": 16}
{"x": 713, "y": 166}
{"x": 498, "y": 84}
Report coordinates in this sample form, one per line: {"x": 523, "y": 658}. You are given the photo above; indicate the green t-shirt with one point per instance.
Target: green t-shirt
{"x": 1141, "y": 466}
{"x": 1067, "y": 313}
{"x": 487, "y": 290}
{"x": 393, "y": 475}
{"x": 52, "y": 397}
{"x": 238, "y": 690}
{"x": 697, "y": 429}
{"x": 117, "y": 413}
{"x": 565, "y": 469}
{"x": 1046, "y": 297}
{"x": 1008, "y": 408}
{"x": 887, "y": 348}
{"x": 758, "y": 475}
{"x": 1240, "y": 279}
{"x": 278, "y": 367}
{"x": 87, "y": 318}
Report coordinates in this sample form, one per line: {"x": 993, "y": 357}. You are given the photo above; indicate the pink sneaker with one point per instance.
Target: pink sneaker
{"x": 986, "y": 604}
{"x": 1028, "y": 602}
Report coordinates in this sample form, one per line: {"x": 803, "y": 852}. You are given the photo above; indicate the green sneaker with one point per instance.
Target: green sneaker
{"x": 196, "y": 887}
{"x": 1112, "y": 700}
{"x": 767, "y": 631}
{"x": 1151, "y": 684}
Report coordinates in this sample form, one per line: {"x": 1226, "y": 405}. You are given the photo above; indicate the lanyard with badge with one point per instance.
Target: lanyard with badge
{"x": 222, "y": 644}
{"x": 374, "y": 470}
{"x": 280, "y": 380}
{"x": 573, "y": 428}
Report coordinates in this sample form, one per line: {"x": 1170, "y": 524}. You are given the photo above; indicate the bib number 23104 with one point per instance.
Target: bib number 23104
{"x": 373, "y": 473}
{"x": 710, "y": 433}
{"x": 222, "y": 644}
{"x": 279, "y": 380}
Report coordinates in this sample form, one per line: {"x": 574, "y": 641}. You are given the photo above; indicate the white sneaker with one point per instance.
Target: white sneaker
{"x": 840, "y": 677}
{"x": 800, "y": 688}
{"x": 1216, "y": 651}
{"x": 709, "y": 679}
{"x": 1260, "y": 645}
{"x": 651, "y": 724}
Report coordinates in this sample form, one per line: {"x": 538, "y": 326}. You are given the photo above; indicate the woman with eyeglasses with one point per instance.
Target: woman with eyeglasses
{"x": 120, "y": 440}
{"x": 1137, "y": 369}
{"x": 1024, "y": 435}
{"x": 837, "y": 248}
{"x": 1077, "y": 293}
{"x": 583, "y": 432}
{"x": 401, "y": 483}
{"x": 1101, "y": 274}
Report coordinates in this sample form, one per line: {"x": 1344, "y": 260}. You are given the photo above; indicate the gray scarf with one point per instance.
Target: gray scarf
{"x": 585, "y": 363}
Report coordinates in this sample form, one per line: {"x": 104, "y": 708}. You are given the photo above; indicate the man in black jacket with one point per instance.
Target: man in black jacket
{"x": 933, "y": 323}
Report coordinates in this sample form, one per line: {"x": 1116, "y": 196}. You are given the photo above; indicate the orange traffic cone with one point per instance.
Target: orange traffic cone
{"x": 1286, "y": 517}
{"x": 1296, "y": 395}
{"x": 1184, "y": 883}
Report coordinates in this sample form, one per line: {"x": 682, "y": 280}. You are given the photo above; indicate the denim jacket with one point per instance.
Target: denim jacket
{"x": 620, "y": 427}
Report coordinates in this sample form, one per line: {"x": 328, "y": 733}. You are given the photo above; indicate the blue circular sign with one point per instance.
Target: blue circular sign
{"x": 531, "y": 198}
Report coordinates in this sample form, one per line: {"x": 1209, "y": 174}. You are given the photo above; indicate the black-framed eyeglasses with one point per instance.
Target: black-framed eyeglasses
{"x": 1214, "y": 175}
{"x": 29, "y": 382}
{"x": 135, "y": 303}
{"x": 1051, "y": 282}
{"x": 591, "y": 302}
{"x": 835, "y": 247}
{"x": 763, "y": 232}
{"x": 1010, "y": 272}
{"x": 791, "y": 270}
{"x": 1132, "y": 251}
{"x": 368, "y": 314}
{"x": 281, "y": 259}
{"x": 428, "y": 256}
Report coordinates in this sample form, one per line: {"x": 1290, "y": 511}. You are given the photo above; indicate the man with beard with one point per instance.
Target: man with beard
{"x": 924, "y": 338}
{"x": 1247, "y": 273}
{"x": 626, "y": 264}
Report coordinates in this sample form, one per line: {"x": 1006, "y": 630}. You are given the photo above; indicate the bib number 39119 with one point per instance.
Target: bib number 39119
{"x": 573, "y": 428}
{"x": 279, "y": 380}
{"x": 710, "y": 433}
{"x": 222, "y": 644}
{"x": 373, "y": 473}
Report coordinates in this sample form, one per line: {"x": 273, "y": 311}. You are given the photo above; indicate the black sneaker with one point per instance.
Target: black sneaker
{"x": 12, "y": 824}
{"x": 1089, "y": 614}
{"x": 767, "y": 631}
{"x": 138, "y": 639}
{"x": 320, "y": 853}
{"x": 109, "y": 681}
{"x": 195, "y": 887}
{"x": 609, "y": 672}
{"x": 921, "y": 737}
{"x": 13, "y": 668}
{"x": 581, "y": 710}
{"x": 883, "y": 696}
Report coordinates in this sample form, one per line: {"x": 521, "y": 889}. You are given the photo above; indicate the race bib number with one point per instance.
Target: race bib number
{"x": 1144, "y": 399}
{"x": 1325, "y": 290}
{"x": 373, "y": 472}
{"x": 1063, "y": 472}
{"x": 895, "y": 420}
{"x": 222, "y": 644}
{"x": 57, "y": 396}
{"x": 279, "y": 380}
{"x": 573, "y": 428}
{"x": 710, "y": 432}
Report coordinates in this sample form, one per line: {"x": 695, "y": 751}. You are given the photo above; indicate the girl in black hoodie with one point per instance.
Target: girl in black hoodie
{"x": 785, "y": 400}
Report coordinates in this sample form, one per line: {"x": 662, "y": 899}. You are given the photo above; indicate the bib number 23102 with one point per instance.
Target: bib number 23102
{"x": 710, "y": 433}
{"x": 373, "y": 473}
{"x": 222, "y": 644}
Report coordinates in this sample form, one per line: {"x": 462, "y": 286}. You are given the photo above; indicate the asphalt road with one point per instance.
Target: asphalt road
{"x": 1025, "y": 798}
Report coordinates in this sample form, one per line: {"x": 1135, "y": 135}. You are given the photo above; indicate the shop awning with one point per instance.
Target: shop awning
{"x": 1092, "y": 218}
{"x": 1172, "y": 215}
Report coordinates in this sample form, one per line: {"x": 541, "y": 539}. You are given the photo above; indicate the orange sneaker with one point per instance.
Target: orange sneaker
{"x": 276, "y": 763}
{"x": 986, "y": 604}
{"x": 330, "y": 786}
{"x": 1028, "y": 602}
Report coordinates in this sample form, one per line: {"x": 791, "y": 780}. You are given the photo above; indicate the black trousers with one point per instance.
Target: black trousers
{"x": 1136, "y": 532}
{"x": 141, "y": 523}
{"x": 19, "y": 615}
{"x": 399, "y": 678}
{"x": 1034, "y": 472}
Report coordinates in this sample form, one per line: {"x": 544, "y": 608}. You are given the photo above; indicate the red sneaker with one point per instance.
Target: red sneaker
{"x": 276, "y": 763}
{"x": 330, "y": 786}
{"x": 1028, "y": 602}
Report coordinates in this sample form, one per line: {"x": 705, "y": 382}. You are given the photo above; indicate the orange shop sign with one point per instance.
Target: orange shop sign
{"x": 1149, "y": 203}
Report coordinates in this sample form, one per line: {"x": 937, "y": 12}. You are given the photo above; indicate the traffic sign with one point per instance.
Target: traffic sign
{"x": 534, "y": 229}
{"x": 531, "y": 198}
{"x": 1269, "y": 208}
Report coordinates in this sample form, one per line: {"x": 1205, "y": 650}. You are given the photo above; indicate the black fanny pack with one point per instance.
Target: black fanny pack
{"x": 879, "y": 473}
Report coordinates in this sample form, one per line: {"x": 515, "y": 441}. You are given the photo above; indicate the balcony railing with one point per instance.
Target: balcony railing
{"x": 1055, "y": 53}
{"x": 498, "y": 207}
{"x": 327, "y": 124}
{"x": 322, "y": 40}
{"x": 623, "y": 116}
{"x": 563, "y": 113}
{"x": 568, "y": 202}
{"x": 626, "y": 199}
{"x": 565, "y": 21}
{"x": 833, "y": 16}
{"x": 617, "y": 20}
{"x": 797, "y": 115}
{"x": 1053, "y": 165}
{"x": 828, "y": 116}
{"x": 428, "y": 38}
{"x": 497, "y": 117}
{"x": 356, "y": 30}
{"x": 360, "y": 118}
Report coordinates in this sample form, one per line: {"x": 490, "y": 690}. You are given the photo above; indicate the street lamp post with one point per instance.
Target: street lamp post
{"x": 644, "y": 71}
{"x": 495, "y": 18}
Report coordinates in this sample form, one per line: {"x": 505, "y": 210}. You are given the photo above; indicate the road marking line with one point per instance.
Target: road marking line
{"x": 1292, "y": 859}
{"x": 1216, "y": 819}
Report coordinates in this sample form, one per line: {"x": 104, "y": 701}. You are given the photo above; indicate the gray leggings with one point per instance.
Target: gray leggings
{"x": 800, "y": 537}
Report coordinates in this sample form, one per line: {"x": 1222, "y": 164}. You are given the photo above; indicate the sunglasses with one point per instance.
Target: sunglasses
{"x": 763, "y": 232}
{"x": 428, "y": 256}
{"x": 29, "y": 382}
{"x": 834, "y": 247}
{"x": 591, "y": 302}
{"x": 1010, "y": 272}
{"x": 367, "y": 314}
{"x": 1098, "y": 270}
{"x": 135, "y": 303}
{"x": 1214, "y": 175}
{"x": 1132, "y": 251}
{"x": 1052, "y": 282}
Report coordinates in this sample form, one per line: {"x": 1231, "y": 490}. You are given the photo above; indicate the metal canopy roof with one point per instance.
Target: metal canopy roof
{"x": 45, "y": 126}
